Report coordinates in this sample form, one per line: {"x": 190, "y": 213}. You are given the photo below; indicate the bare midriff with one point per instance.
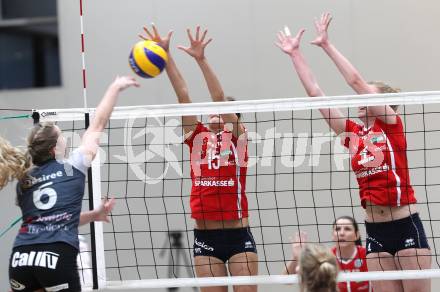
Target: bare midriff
{"x": 221, "y": 224}
{"x": 375, "y": 213}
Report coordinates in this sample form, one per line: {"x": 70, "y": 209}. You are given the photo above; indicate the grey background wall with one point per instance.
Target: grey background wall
{"x": 393, "y": 41}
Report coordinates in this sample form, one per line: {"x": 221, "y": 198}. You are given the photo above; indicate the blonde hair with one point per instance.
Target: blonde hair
{"x": 318, "y": 269}
{"x": 16, "y": 163}
{"x": 385, "y": 88}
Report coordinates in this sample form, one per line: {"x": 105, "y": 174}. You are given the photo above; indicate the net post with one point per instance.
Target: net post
{"x": 92, "y": 224}
{"x": 35, "y": 117}
{"x": 99, "y": 229}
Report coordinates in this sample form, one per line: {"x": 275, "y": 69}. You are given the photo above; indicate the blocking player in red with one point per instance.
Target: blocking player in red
{"x": 218, "y": 154}
{"x": 396, "y": 238}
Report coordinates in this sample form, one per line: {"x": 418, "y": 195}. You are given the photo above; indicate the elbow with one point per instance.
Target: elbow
{"x": 183, "y": 95}
{"x": 98, "y": 125}
{"x": 314, "y": 92}
{"x": 184, "y": 92}
{"x": 354, "y": 80}
{"x": 95, "y": 129}
{"x": 218, "y": 96}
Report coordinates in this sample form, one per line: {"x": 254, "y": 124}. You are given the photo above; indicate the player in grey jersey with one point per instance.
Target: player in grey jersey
{"x": 49, "y": 193}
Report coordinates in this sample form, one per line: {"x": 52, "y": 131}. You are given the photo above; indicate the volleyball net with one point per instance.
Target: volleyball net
{"x": 298, "y": 179}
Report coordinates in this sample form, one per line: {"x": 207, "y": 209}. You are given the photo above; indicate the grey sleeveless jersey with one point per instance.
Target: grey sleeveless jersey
{"x": 51, "y": 206}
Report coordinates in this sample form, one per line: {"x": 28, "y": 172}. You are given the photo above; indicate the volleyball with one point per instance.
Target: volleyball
{"x": 148, "y": 59}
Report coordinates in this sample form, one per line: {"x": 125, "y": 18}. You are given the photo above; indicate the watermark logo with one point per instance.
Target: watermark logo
{"x": 158, "y": 139}
{"x": 154, "y": 151}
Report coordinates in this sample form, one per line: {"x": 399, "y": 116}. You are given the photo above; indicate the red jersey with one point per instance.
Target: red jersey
{"x": 379, "y": 162}
{"x": 358, "y": 263}
{"x": 218, "y": 173}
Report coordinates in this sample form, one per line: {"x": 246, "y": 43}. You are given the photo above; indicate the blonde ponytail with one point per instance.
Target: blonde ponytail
{"x": 318, "y": 269}
{"x": 14, "y": 163}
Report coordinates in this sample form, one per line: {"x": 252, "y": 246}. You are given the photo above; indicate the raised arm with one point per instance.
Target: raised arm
{"x": 100, "y": 214}
{"x": 197, "y": 51}
{"x": 290, "y": 46}
{"x": 298, "y": 243}
{"x": 348, "y": 71}
{"x": 90, "y": 139}
{"x": 351, "y": 75}
{"x": 179, "y": 85}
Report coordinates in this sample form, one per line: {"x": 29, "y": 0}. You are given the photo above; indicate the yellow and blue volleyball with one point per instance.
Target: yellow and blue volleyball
{"x": 148, "y": 59}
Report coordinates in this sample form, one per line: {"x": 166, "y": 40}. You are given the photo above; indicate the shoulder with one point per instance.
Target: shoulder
{"x": 200, "y": 128}
{"x": 79, "y": 160}
{"x": 362, "y": 252}
{"x": 352, "y": 127}
{"x": 242, "y": 133}
{"x": 351, "y": 134}
{"x": 395, "y": 128}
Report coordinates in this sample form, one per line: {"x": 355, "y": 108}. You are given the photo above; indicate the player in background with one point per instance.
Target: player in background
{"x": 350, "y": 255}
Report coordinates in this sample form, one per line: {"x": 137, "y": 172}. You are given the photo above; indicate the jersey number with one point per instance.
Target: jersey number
{"x": 211, "y": 157}
{"x": 41, "y": 193}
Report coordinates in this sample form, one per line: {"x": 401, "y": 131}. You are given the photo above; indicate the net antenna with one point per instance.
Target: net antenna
{"x": 93, "y": 185}
{"x": 286, "y": 130}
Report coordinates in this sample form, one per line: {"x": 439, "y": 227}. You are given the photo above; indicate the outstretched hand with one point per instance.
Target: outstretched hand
{"x": 104, "y": 210}
{"x": 321, "y": 27}
{"x": 298, "y": 243}
{"x": 287, "y": 43}
{"x": 123, "y": 82}
{"x": 164, "y": 42}
{"x": 197, "y": 44}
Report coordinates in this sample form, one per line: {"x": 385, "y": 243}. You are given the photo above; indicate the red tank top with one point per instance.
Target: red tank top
{"x": 358, "y": 263}
{"x": 379, "y": 162}
{"x": 218, "y": 174}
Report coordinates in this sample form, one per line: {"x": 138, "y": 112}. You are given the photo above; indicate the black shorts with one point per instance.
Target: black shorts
{"x": 223, "y": 243}
{"x": 50, "y": 266}
{"x": 396, "y": 235}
